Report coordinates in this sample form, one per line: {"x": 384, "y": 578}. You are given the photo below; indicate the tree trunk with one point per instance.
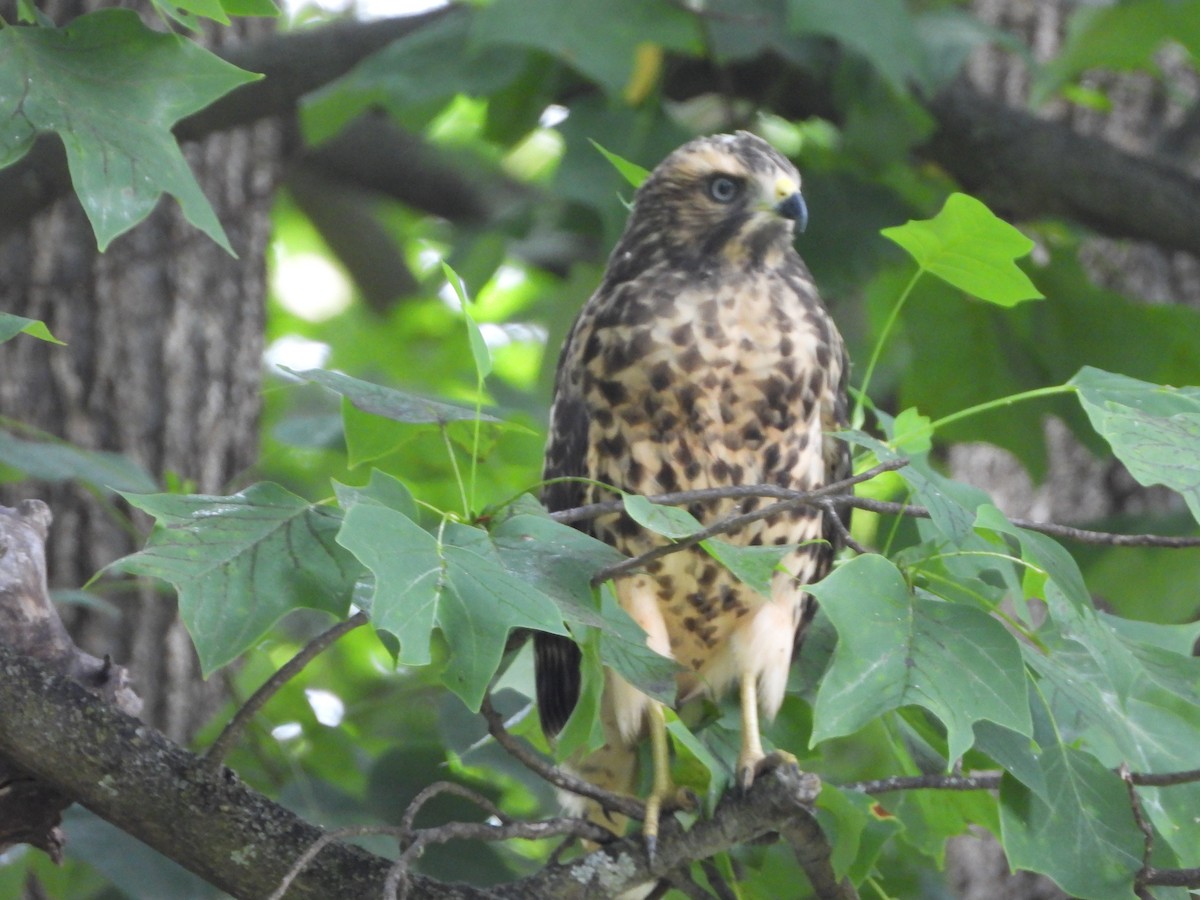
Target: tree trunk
{"x": 164, "y": 337}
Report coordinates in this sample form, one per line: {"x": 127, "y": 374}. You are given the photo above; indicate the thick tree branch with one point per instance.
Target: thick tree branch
{"x": 780, "y": 801}
{"x": 1024, "y": 166}
{"x": 293, "y": 63}
{"x": 133, "y": 776}
{"x": 30, "y": 808}
{"x": 1027, "y": 167}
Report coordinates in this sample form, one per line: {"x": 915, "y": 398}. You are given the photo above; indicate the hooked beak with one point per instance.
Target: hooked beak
{"x": 793, "y": 207}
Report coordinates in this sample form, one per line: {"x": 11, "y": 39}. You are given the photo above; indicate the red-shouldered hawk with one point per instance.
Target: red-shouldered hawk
{"x": 705, "y": 359}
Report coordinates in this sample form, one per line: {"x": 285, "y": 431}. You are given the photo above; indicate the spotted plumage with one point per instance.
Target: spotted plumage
{"x": 704, "y": 359}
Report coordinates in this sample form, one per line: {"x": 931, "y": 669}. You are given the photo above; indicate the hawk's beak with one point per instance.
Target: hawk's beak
{"x": 792, "y": 207}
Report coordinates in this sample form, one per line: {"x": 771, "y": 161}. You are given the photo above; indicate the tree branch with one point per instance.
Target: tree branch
{"x": 1083, "y": 535}
{"x": 560, "y": 778}
{"x": 1025, "y": 166}
{"x": 31, "y": 808}
{"x": 220, "y": 748}
{"x": 826, "y": 497}
{"x": 733, "y": 523}
{"x": 1188, "y": 878}
{"x": 134, "y": 777}
{"x": 780, "y": 801}
{"x": 990, "y": 781}
{"x": 987, "y": 781}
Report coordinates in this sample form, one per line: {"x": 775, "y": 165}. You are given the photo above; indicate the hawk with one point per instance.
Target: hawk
{"x": 705, "y": 359}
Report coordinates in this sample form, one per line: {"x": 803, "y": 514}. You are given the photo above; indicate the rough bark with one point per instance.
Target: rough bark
{"x": 30, "y": 809}
{"x": 204, "y": 818}
{"x": 163, "y": 359}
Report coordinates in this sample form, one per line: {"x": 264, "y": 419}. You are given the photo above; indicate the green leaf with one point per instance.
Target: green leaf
{"x": 1014, "y": 752}
{"x": 951, "y": 504}
{"x": 1082, "y": 835}
{"x": 389, "y": 402}
{"x": 1154, "y": 430}
{"x": 381, "y": 489}
{"x": 630, "y": 171}
{"x": 456, "y": 582}
{"x": 1121, "y": 36}
{"x": 600, "y": 42}
{"x": 715, "y": 772}
{"x": 669, "y": 521}
{"x": 117, "y": 129}
{"x": 968, "y": 246}
{"x": 895, "y": 650}
{"x": 858, "y": 826}
{"x": 754, "y": 566}
{"x": 559, "y": 561}
{"x": 889, "y": 43}
{"x": 242, "y": 562}
{"x": 625, "y": 651}
{"x": 412, "y": 78}
{"x": 912, "y": 432}
{"x": 11, "y": 326}
{"x": 52, "y": 461}
{"x": 479, "y": 348}
{"x": 248, "y": 8}
{"x": 186, "y": 11}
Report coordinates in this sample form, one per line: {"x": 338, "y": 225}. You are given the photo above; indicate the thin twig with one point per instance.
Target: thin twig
{"x": 829, "y": 496}
{"x": 733, "y": 523}
{"x": 1083, "y": 535}
{"x": 395, "y": 886}
{"x": 311, "y": 853}
{"x": 985, "y": 782}
{"x": 452, "y": 831}
{"x": 220, "y": 748}
{"x": 831, "y": 511}
{"x": 716, "y": 880}
{"x": 990, "y": 781}
{"x": 1147, "y": 832}
{"x": 1189, "y": 878}
{"x": 1166, "y": 779}
{"x": 560, "y": 778}
{"x": 448, "y": 787}
{"x": 730, "y": 492}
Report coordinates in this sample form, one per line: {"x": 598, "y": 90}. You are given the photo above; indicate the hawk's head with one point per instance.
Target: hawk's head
{"x": 725, "y": 198}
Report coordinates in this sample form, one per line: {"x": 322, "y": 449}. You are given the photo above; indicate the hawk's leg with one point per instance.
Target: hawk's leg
{"x": 663, "y": 789}
{"x": 664, "y": 793}
{"x": 752, "y": 760}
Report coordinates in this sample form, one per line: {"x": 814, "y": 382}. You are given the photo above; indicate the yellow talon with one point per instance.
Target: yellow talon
{"x": 663, "y": 788}
{"x": 752, "y": 761}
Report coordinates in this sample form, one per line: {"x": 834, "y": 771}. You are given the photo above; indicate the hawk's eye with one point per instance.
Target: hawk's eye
{"x": 723, "y": 189}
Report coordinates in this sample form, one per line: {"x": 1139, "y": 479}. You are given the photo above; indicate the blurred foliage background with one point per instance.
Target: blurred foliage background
{"x": 470, "y": 140}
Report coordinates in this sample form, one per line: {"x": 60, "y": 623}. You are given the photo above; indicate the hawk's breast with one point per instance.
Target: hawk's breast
{"x": 694, "y": 382}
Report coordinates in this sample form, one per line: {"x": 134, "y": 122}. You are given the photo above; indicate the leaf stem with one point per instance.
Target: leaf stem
{"x": 857, "y": 417}
{"x": 462, "y": 489}
{"x": 475, "y": 441}
{"x": 1004, "y": 401}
